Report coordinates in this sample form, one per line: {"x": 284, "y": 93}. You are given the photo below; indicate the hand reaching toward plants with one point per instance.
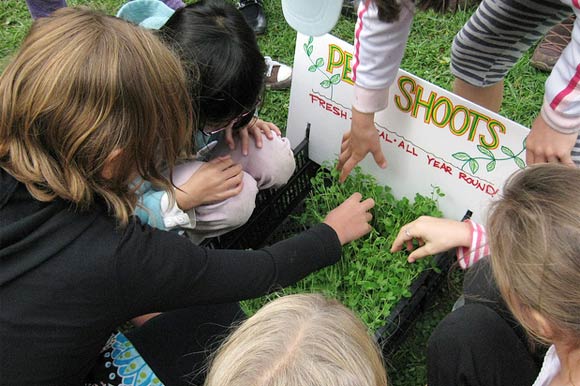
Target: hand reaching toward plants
{"x": 434, "y": 235}
{"x": 254, "y": 129}
{"x": 362, "y": 139}
{"x": 216, "y": 180}
{"x": 350, "y": 220}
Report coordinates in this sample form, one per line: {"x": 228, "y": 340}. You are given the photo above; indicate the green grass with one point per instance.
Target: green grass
{"x": 427, "y": 56}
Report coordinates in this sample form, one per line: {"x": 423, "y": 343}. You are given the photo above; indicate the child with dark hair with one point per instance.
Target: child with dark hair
{"x": 237, "y": 153}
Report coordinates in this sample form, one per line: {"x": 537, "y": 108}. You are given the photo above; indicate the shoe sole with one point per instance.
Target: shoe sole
{"x": 279, "y": 85}
{"x": 541, "y": 66}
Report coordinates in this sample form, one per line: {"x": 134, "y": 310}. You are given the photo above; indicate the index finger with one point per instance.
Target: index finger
{"x": 275, "y": 128}
{"x": 402, "y": 237}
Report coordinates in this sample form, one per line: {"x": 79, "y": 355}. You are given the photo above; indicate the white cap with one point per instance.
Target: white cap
{"x": 312, "y": 17}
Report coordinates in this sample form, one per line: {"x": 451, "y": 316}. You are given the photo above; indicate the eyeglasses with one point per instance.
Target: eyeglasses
{"x": 237, "y": 123}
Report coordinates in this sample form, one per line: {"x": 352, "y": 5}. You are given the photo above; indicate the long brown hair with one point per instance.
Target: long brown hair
{"x": 85, "y": 86}
{"x": 534, "y": 233}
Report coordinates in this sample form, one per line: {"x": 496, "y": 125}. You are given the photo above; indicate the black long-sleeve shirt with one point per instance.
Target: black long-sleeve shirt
{"x": 68, "y": 278}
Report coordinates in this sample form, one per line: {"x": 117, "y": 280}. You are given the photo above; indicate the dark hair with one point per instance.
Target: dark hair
{"x": 389, "y": 10}
{"x": 214, "y": 38}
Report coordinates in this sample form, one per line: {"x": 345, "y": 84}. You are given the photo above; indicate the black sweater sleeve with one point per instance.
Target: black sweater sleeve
{"x": 160, "y": 271}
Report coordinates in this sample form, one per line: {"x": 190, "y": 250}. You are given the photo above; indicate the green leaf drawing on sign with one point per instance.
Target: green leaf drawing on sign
{"x": 489, "y": 157}
{"x": 309, "y": 50}
{"x": 335, "y": 79}
{"x": 325, "y": 83}
{"x": 305, "y": 47}
{"x": 520, "y": 162}
{"x": 507, "y": 151}
{"x": 310, "y": 40}
{"x": 312, "y": 68}
{"x": 461, "y": 156}
{"x": 474, "y": 166}
{"x": 484, "y": 150}
{"x": 319, "y": 62}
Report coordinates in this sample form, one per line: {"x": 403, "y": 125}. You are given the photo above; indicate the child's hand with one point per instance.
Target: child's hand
{"x": 254, "y": 129}
{"x": 351, "y": 219}
{"x": 434, "y": 235}
{"x": 216, "y": 180}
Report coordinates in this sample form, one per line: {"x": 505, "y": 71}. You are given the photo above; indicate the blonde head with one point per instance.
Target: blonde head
{"x": 86, "y": 90}
{"x": 534, "y": 232}
{"x": 299, "y": 340}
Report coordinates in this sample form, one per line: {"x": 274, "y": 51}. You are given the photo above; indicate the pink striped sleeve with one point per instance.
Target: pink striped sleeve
{"x": 561, "y": 107}
{"x": 467, "y": 256}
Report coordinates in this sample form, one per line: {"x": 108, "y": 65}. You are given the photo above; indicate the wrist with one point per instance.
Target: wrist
{"x": 362, "y": 121}
{"x": 334, "y": 228}
{"x": 465, "y": 232}
{"x": 185, "y": 201}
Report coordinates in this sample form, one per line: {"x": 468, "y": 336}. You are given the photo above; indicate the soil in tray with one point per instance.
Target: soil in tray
{"x": 369, "y": 279}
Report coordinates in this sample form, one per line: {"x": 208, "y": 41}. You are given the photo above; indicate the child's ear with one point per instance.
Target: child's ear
{"x": 542, "y": 325}
{"x": 110, "y": 164}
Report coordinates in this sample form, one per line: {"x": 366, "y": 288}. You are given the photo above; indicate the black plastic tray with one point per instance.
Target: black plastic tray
{"x": 405, "y": 313}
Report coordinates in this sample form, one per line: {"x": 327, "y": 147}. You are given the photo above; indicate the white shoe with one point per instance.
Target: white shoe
{"x": 278, "y": 75}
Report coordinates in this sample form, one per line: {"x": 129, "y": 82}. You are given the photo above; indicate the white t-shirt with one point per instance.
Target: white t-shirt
{"x": 550, "y": 368}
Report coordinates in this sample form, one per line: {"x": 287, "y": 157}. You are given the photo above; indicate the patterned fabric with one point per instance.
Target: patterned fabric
{"x": 467, "y": 256}
{"x": 497, "y": 35}
{"x": 120, "y": 364}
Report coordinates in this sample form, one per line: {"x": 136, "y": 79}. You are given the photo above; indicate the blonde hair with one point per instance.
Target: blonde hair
{"x": 534, "y": 233}
{"x": 299, "y": 340}
{"x": 85, "y": 86}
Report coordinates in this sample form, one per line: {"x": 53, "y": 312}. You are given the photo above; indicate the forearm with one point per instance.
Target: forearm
{"x": 160, "y": 271}
{"x": 252, "y": 274}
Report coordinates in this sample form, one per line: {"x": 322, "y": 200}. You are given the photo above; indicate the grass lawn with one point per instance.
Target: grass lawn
{"x": 427, "y": 55}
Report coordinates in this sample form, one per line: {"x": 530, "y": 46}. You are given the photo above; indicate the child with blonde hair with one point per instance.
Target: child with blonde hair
{"x": 533, "y": 232}
{"x": 299, "y": 340}
{"x": 81, "y": 118}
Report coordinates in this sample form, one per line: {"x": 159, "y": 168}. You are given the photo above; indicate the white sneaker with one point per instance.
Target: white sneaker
{"x": 278, "y": 75}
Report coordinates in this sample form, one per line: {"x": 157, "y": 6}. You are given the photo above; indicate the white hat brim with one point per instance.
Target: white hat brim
{"x": 312, "y": 17}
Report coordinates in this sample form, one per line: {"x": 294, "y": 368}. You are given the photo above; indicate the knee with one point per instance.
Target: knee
{"x": 273, "y": 164}
{"x": 240, "y": 207}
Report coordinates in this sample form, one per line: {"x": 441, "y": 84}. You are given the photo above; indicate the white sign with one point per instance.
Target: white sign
{"x": 431, "y": 137}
